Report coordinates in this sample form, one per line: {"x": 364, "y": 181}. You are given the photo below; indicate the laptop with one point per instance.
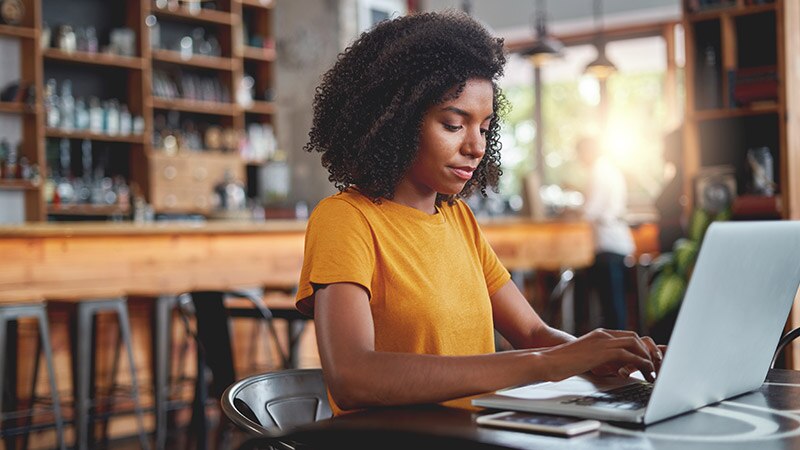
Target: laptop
{"x": 732, "y": 316}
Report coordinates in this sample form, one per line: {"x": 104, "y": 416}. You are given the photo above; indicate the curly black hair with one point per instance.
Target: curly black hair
{"x": 368, "y": 110}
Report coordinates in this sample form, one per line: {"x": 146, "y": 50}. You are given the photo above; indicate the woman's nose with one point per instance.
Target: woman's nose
{"x": 474, "y": 144}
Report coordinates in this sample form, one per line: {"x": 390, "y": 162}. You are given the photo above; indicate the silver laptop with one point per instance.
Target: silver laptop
{"x": 736, "y": 304}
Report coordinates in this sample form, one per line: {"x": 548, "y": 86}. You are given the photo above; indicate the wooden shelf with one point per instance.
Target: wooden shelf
{"x": 203, "y": 16}
{"x": 715, "y": 114}
{"x": 87, "y": 210}
{"x": 23, "y": 32}
{"x": 194, "y": 106}
{"x": 261, "y": 107}
{"x": 262, "y": 4}
{"x": 206, "y": 62}
{"x": 15, "y": 107}
{"x": 20, "y": 185}
{"x": 99, "y": 137}
{"x": 97, "y": 59}
{"x": 258, "y": 53}
{"x": 735, "y": 10}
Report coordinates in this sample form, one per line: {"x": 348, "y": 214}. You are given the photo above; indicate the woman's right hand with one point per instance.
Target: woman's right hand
{"x": 603, "y": 352}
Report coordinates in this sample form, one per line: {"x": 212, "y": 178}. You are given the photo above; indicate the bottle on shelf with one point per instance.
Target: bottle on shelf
{"x": 83, "y": 185}
{"x": 95, "y": 115}
{"x": 81, "y": 114}
{"x": 67, "y": 106}
{"x": 65, "y": 193}
{"x": 52, "y": 104}
{"x": 4, "y": 149}
{"x": 711, "y": 97}
{"x": 112, "y": 117}
{"x": 125, "y": 120}
{"x": 92, "y": 43}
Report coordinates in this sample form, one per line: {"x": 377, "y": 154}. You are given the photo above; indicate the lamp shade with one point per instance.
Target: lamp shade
{"x": 545, "y": 47}
{"x": 543, "y": 50}
{"x": 602, "y": 67}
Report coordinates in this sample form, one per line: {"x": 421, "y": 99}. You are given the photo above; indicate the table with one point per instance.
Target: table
{"x": 768, "y": 418}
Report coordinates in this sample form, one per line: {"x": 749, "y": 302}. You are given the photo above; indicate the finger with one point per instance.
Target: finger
{"x": 648, "y": 344}
{"x": 599, "y": 333}
{"x": 657, "y": 356}
{"x": 633, "y": 344}
{"x": 626, "y": 370}
{"x": 643, "y": 364}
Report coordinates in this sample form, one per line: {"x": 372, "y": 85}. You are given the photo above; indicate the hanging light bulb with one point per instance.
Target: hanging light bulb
{"x": 602, "y": 67}
{"x": 546, "y": 47}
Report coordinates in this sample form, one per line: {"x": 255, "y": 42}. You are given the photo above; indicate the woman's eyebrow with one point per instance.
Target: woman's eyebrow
{"x": 463, "y": 113}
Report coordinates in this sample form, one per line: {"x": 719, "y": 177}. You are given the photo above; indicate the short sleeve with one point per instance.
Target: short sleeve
{"x": 494, "y": 272}
{"x": 338, "y": 249}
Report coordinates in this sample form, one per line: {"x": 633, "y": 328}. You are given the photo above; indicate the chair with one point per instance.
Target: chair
{"x": 273, "y": 403}
{"x": 13, "y": 307}
{"x": 84, "y": 306}
{"x": 785, "y": 340}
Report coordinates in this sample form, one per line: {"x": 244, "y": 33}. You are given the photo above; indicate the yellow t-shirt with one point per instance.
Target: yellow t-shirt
{"x": 429, "y": 276}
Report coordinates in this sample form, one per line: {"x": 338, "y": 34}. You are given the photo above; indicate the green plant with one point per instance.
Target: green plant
{"x": 674, "y": 269}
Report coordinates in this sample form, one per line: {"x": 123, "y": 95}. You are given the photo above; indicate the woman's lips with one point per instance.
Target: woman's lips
{"x": 465, "y": 173}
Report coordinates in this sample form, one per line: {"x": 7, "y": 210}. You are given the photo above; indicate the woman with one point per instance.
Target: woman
{"x": 404, "y": 290}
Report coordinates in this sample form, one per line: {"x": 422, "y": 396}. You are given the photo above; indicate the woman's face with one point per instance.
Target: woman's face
{"x": 452, "y": 141}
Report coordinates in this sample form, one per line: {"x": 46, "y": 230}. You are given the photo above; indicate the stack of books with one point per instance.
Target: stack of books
{"x": 753, "y": 84}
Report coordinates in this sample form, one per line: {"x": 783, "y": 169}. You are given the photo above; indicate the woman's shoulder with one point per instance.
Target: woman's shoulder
{"x": 342, "y": 205}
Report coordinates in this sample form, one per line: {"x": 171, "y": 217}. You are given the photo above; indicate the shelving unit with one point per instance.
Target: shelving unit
{"x": 89, "y": 210}
{"x": 20, "y": 185}
{"x": 18, "y": 31}
{"x": 738, "y": 85}
{"x": 97, "y": 59}
{"x": 206, "y": 62}
{"x": 203, "y": 16}
{"x": 97, "y": 137}
{"x": 14, "y": 108}
{"x": 722, "y": 123}
{"x": 130, "y": 79}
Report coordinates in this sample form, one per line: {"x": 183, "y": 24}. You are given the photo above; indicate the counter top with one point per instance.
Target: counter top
{"x": 66, "y": 229}
{"x": 52, "y": 258}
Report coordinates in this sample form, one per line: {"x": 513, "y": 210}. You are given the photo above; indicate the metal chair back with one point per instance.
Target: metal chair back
{"x": 272, "y": 403}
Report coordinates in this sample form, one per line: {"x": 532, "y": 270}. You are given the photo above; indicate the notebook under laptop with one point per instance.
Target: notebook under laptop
{"x": 744, "y": 281}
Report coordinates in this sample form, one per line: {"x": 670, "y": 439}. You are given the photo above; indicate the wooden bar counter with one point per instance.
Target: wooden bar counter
{"x": 176, "y": 257}
{"x": 53, "y": 259}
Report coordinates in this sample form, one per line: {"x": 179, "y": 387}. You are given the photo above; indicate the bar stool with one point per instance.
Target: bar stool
{"x": 280, "y": 302}
{"x": 84, "y": 306}
{"x": 15, "y": 305}
{"x": 164, "y": 304}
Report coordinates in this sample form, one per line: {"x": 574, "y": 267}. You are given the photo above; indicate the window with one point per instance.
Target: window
{"x": 641, "y": 109}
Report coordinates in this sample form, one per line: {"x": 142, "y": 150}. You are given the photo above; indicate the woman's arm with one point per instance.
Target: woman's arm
{"x": 518, "y": 322}
{"x": 358, "y": 376}
{"x": 523, "y": 328}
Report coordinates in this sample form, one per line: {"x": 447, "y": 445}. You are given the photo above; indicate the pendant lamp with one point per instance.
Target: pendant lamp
{"x": 602, "y": 67}
{"x": 545, "y": 47}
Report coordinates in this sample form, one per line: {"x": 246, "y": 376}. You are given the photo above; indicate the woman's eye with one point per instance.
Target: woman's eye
{"x": 484, "y": 131}
{"x": 449, "y": 127}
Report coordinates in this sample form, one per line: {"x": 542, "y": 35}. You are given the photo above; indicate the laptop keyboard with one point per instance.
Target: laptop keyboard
{"x": 632, "y": 396}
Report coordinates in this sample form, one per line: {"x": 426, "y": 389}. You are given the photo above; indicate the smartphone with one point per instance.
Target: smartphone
{"x": 540, "y": 423}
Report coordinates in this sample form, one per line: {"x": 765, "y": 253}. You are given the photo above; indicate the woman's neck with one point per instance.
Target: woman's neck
{"x": 406, "y": 193}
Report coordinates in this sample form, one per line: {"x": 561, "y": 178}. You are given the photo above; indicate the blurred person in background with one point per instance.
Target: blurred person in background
{"x": 605, "y": 208}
